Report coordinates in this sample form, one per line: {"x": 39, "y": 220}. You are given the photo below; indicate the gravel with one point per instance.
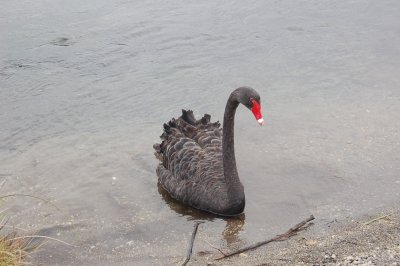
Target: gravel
{"x": 368, "y": 240}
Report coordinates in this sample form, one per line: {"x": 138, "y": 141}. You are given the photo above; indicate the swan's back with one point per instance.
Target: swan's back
{"x": 191, "y": 167}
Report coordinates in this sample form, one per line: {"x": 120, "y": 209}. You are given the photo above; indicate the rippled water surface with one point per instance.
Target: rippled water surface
{"x": 86, "y": 85}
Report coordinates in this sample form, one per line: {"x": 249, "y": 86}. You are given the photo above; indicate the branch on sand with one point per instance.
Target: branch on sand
{"x": 291, "y": 232}
{"x": 377, "y": 219}
{"x": 189, "y": 252}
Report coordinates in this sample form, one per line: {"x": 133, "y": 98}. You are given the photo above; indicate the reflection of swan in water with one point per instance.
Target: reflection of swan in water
{"x": 232, "y": 229}
{"x": 234, "y": 225}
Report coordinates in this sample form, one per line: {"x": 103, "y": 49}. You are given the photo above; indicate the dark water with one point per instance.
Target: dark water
{"x": 86, "y": 85}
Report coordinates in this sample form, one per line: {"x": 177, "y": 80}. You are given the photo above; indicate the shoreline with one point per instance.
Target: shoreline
{"x": 372, "y": 239}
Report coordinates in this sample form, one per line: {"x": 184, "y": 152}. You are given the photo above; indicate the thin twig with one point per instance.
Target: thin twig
{"x": 30, "y": 196}
{"x": 46, "y": 237}
{"x": 376, "y": 219}
{"x": 215, "y": 247}
{"x": 292, "y": 231}
{"x": 2, "y": 183}
{"x": 189, "y": 252}
{"x": 3, "y": 221}
{"x": 12, "y": 226}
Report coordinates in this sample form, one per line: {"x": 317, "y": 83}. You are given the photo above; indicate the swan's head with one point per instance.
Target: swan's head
{"x": 251, "y": 99}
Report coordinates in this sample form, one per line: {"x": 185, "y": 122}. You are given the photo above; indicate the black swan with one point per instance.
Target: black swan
{"x": 198, "y": 158}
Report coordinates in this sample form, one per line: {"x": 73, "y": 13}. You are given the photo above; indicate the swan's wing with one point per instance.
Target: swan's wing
{"x": 189, "y": 191}
{"x": 191, "y": 155}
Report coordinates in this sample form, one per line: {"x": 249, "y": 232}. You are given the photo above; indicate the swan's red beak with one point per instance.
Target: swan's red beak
{"x": 257, "y": 112}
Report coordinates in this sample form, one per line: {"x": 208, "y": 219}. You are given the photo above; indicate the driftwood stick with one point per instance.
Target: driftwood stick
{"x": 291, "y": 232}
{"x": 189, "y": 252}
{"x": 377, "y": 219}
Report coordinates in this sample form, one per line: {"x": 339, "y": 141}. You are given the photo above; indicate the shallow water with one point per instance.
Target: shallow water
{"x": 86, "y": 86}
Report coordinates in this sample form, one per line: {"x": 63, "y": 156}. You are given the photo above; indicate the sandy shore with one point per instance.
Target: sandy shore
{"x": 367, "y": 240}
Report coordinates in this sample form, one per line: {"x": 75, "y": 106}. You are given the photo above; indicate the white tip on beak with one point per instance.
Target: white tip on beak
{"x": 260, "y": 121}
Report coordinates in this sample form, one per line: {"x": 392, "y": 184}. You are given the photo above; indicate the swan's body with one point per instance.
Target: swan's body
{"x": 198, "y": 160}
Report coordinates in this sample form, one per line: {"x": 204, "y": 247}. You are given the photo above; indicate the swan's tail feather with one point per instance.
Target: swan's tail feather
{"x": 157, "y": 147}
{"x": 188, "y": 116}
{"x": 167, "y": 128}
{"x": 172, "y": 123}
{"x": 205, "y": 119}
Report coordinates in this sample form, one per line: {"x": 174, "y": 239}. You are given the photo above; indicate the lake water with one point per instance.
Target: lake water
{"x": 85, "y": 87}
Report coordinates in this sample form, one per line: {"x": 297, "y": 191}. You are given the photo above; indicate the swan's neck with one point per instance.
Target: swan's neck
{"x": 235, "y": 187}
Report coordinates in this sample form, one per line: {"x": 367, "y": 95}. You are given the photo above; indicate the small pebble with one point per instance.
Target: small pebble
{"x": 311, "y": 242}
